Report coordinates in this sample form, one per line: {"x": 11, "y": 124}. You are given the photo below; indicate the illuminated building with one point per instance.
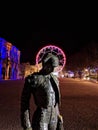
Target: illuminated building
{"x": 26, "y": 69}
{"x": 9, "y": 60}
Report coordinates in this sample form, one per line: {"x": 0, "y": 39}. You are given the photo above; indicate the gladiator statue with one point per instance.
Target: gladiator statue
{"x": 44, "y": 86}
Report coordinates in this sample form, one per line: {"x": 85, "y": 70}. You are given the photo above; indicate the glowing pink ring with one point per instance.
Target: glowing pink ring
{"x": 52, "y": 48}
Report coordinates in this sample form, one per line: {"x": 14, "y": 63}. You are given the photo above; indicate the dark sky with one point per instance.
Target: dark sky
{"x": 29, "y": 32}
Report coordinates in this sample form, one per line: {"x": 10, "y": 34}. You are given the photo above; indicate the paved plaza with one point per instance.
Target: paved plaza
{"x": 79, "y": 104}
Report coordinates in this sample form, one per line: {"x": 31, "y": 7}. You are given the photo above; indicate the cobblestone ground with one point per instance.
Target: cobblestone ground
{"x": 79, "y": 104}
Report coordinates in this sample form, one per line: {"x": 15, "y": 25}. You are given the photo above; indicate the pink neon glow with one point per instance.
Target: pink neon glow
{"x": 52, "y": 48}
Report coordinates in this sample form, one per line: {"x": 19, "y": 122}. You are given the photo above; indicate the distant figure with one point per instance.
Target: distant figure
{"x": 45, "y": 89}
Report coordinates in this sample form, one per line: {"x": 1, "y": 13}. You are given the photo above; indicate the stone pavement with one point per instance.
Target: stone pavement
{"x": 79, "y": 104}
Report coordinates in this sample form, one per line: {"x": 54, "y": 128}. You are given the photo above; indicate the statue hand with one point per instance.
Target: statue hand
{"x": 60, "y": 118}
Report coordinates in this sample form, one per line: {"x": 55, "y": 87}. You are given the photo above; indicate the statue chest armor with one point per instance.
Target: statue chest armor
{"x": 43, "y": 92}
{"x": 51, "y": 95}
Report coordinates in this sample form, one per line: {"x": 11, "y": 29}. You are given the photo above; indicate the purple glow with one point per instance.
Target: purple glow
{"x": 55, "y": 50}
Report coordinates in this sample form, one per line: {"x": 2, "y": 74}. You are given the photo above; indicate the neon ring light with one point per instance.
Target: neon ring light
{"x": 54, "y": 50}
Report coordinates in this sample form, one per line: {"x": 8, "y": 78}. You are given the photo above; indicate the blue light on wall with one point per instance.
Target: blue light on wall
{"x": 0, "y": 70}
{"x": 13, "y": 54}
{"x": 13, "y": 57}
{"x": 2, "y": 48}
{"x": 3, "y": 52}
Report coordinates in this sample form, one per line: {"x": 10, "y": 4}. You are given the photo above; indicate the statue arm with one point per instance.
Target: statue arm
{"x": 25, "y": 105}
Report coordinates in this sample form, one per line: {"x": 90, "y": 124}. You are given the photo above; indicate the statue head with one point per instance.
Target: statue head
{"x": 50, "y": 59}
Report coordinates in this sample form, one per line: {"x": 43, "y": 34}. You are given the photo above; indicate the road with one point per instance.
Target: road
{"x": 79, "y": 104}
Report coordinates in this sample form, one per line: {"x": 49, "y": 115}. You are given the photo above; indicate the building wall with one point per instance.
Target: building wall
{"x": 9, "y": 60}
{"x": 26, "y": 69}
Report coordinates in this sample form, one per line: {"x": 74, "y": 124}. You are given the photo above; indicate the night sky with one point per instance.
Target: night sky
{"x": 29, "y": 33}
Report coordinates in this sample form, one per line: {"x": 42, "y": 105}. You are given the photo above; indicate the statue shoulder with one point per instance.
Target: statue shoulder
{"x": 55, "y": 78}
{"x": 35, "y": 78}
{"x": 30, "y": 77}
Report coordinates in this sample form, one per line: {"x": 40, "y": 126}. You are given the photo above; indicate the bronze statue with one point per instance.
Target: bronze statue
{"x": 44, "y": 86}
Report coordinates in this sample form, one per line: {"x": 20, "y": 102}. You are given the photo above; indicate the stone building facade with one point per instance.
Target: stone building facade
{"x": 9, "y": 60}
